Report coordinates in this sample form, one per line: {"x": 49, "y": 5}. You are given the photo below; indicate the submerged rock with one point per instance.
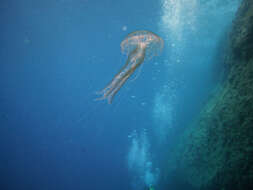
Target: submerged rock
{"x": 241, "y": 36}
{"x": 216, "y": 152}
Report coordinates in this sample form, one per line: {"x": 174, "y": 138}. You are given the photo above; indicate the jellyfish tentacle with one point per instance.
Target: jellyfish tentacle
{"x": 117, "y": 88}
{"x": 122, "y": 82}
{"x": 136, "y": 59}
{"x": 129, "y": 59}
{"x": 118, "y": 75}
{"x": 138, "y": 74}
{"x": 110, "y": 88}
{"x": 141, "y": 66}
{"x": 125, "y": 75}
{"x": 114, "y": 83}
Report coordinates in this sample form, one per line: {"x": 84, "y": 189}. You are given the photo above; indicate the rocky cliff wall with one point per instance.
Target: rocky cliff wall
{"x": 216, "y": 152}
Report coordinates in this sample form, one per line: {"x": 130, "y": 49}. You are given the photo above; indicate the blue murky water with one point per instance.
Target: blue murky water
{"x": 55, "y": 55}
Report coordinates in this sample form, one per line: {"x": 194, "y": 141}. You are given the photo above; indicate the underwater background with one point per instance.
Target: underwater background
{"x": 57, "y": 54}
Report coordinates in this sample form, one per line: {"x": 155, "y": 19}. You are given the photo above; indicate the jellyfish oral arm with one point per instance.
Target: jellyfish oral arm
{"x": 134, "y": 60}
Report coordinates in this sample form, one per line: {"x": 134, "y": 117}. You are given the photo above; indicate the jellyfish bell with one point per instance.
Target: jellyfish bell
{"x": 138, "y": 46}
{"x": 145, "y": 40}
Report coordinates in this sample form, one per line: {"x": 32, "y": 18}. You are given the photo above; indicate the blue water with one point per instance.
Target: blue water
{"x": 56, "y": 54}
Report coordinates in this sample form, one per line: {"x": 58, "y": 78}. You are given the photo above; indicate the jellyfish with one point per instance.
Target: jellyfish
{"x": 138, "y": 45}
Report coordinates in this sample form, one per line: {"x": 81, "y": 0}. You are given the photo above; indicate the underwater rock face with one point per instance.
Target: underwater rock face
{"x": 216, "y": 151}
{"x": 242, "y": 38}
